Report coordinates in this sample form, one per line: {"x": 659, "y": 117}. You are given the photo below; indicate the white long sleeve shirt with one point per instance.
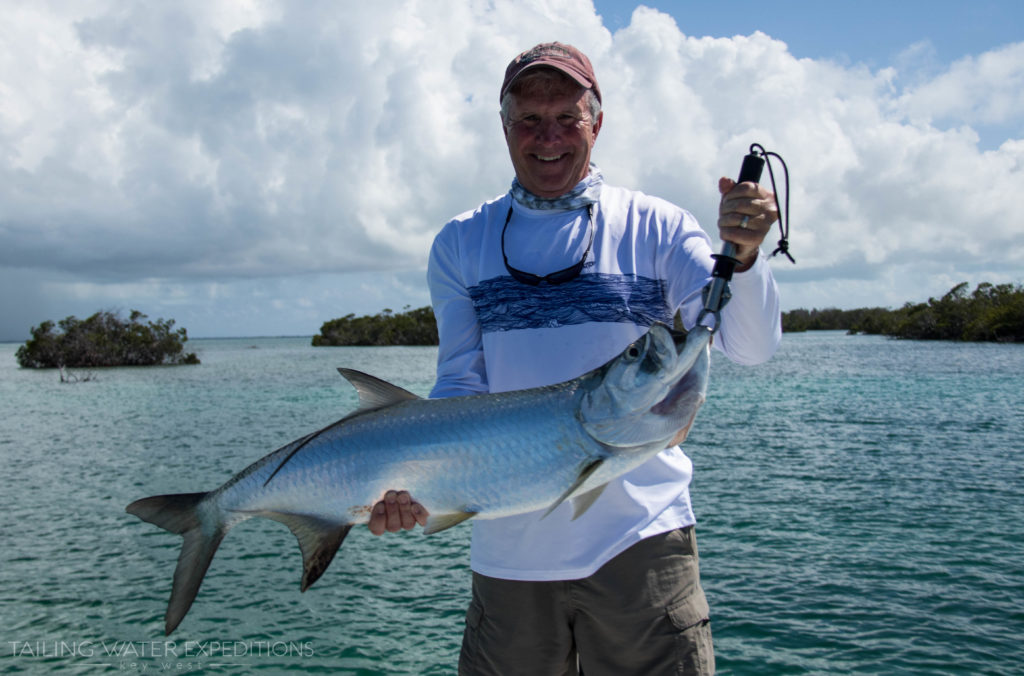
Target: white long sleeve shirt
{"x": 648, "y": 259}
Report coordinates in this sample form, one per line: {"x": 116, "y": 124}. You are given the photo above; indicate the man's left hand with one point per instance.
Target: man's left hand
{"x": 745, "y": 215}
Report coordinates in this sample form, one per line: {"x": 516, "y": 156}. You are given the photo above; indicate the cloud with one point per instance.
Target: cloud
{"x": 983, "y": 89}
{"x": 872, "y": 181}
{"x": 182, "y": 154}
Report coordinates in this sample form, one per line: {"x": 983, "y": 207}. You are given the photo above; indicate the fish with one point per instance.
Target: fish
{"x": 480, "y": 456}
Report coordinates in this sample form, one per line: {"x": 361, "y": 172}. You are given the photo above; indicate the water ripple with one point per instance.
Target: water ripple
{"x": 858, "y": 502}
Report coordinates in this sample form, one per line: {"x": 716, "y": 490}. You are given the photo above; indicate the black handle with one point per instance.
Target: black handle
{"x": 751, "y": 170}
{"x": 725, "y": 262}
{"x": 716, "y": 293}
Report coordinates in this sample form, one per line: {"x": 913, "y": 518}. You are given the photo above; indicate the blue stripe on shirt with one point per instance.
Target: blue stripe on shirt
{"x": 503, "y": 304}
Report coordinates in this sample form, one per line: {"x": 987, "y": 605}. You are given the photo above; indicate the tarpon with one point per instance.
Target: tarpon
{"x": 482, "y": 456}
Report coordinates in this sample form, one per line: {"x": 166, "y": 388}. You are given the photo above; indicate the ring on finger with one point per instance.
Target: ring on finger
{"x": 744, "y": 221}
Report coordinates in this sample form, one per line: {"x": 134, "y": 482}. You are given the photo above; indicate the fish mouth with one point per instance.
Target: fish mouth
{"x": 689, "y": 387}
{"x": 689, "y": 347}
{"x": 678, "y": 337}
{"x": 688, "y": 376}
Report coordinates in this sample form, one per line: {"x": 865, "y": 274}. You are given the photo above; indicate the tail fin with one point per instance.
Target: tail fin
{"x": 178, "y": 514}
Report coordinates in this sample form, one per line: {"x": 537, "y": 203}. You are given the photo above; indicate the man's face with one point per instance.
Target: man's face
{"x": 549, "y": 137}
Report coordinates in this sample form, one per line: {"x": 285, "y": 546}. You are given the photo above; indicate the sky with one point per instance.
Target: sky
{"x": 256, "y": 168}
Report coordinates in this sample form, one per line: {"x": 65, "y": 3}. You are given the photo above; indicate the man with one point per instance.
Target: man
{"x": 539, "y": 286}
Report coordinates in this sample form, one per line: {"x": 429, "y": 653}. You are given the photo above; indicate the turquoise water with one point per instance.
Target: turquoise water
{"x": 859, "y": 505}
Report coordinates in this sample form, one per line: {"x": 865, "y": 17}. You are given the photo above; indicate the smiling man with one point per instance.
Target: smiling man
{"x": 539, "y": 286}
{"x": 550, "y": 128}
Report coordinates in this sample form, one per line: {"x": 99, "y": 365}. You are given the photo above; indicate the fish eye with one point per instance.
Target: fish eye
{"x": 633, "y": 351}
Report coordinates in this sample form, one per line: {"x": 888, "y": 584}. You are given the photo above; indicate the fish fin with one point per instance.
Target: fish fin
{"x": 175, "y": 513}
{"x": 626, "y": 431}
{"x": 583, "y": 475}
{"x": 179, "y": 514}
{"x": 439, "y": 522}
{"x": 375, "y": 393}
{"x": 319, "y": 540}
{"x": 582, "y": 502}
{"x": 294, "y": 447}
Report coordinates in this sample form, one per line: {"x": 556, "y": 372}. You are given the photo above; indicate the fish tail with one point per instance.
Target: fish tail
{"x": 179, "y": 514}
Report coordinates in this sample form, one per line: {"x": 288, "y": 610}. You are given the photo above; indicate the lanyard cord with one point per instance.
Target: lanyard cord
{"x": 716, "y": 294}
{"x": 783, "y": 246}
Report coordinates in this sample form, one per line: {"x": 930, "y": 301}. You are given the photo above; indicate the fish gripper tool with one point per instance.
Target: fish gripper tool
{"x": 716, "y": 294}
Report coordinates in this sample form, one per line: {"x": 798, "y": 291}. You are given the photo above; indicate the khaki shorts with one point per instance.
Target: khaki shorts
{"x": 642, "y": 613}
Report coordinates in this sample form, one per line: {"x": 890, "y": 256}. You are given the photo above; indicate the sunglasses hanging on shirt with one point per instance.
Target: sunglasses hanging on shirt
{"x": 559, "y": 276}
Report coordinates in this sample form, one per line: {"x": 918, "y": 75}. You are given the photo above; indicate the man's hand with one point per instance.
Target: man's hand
{"x": 397, "y": 511}
{"x": 750, "y": 201}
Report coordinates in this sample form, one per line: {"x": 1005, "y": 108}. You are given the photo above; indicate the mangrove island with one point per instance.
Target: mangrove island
{"x": 105, "y": 339}
{"x": 412, "y": 327}
{"x": 990, "y": 313}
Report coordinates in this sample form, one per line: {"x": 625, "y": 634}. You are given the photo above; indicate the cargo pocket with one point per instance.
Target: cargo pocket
{"x": 694, "y": 651}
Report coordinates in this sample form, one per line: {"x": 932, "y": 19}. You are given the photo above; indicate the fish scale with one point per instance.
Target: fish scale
{"x": 481, "y": 456}
{"x": 486, "y": 482}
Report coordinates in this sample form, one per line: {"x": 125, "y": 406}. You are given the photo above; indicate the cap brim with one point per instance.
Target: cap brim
{"x": 577, "y": 77}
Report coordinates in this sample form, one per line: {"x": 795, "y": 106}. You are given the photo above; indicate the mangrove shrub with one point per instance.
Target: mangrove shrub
{"x": 992, "y": 312}
{"x": 105, "y": 339}
{"x": 413, "y": 327}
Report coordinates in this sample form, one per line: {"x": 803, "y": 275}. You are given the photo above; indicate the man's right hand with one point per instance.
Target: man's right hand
{"x": 397, "y": 511}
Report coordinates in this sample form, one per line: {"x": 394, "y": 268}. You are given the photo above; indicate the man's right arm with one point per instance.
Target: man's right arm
{"x": 460, "y": 366}
{"x": 460, "y": 356}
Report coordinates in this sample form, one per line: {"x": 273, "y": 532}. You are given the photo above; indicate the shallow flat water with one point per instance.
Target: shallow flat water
{"x": 859, "y": 505}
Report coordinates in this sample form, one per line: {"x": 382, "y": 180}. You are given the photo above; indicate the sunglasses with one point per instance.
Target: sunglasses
{"x": 559, "y": 276}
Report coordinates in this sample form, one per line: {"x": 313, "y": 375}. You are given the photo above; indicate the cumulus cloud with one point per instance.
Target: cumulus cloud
{"x": 986, "y": 89}
{"x": 201, "y": 155}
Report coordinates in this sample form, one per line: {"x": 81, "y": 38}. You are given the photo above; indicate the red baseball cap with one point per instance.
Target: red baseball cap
{"x": 562, "y": 57}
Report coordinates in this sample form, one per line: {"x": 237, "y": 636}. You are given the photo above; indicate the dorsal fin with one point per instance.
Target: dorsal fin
{"x": 373, "y": 392}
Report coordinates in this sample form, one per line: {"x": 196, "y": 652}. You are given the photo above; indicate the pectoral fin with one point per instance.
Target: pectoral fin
{"x": 582, "y": 502}
{"x": 583, "y": 475}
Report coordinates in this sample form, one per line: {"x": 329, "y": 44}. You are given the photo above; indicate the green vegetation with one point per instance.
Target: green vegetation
{"x": 105, "y": 339}
{"x": 989, "y": 313}
{"x": 412, "y": 327}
